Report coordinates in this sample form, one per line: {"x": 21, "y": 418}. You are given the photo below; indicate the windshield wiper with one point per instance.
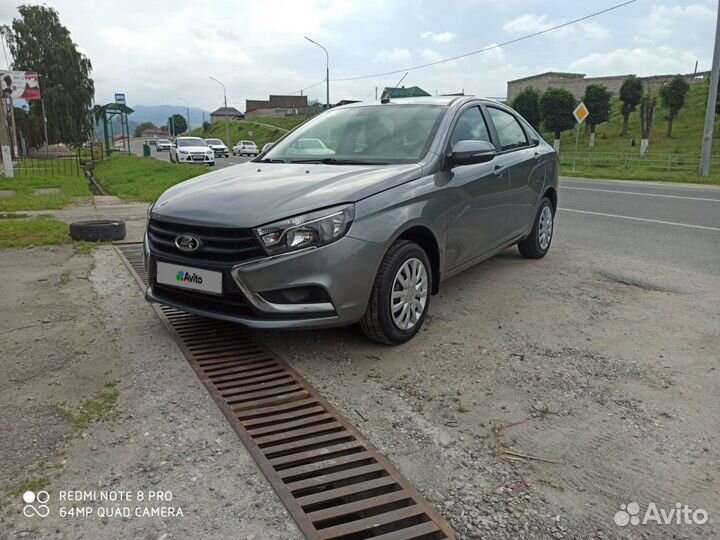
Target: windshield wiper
{"x": 266, "y": 160}
{"x": 335, "y": 161}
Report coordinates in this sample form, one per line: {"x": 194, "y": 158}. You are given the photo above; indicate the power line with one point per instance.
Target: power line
{"x": 479, "y": 51}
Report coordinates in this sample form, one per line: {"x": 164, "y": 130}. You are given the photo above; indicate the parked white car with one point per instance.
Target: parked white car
{"x": 162, "y": 145}
{"x": 314, "y": 147}
{"x": 192, "y": 150}
{"x": 218, "y": 147}
{"x": 245, "y": 148}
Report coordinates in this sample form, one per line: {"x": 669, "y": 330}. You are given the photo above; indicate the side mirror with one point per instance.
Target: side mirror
{"x": 469, "y": 152}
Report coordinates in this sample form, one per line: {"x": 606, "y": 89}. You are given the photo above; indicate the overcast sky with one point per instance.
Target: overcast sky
{"x": 156, "y": 52}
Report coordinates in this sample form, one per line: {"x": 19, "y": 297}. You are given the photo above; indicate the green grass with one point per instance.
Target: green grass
{"x": 261, "y": 134}
{"x": 682, "y": 151}
{"x": 142, "y": 179}
{"x": 91, "y": 410}
{"x": 71, "y": 187}
{"x": 12, "y": 215}
{"x": 33, "y": 232}
{"x": 285, "y": 122}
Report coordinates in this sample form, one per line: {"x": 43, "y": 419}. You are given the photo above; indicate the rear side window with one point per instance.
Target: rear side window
{"x": 471, "y": 126}
{"x": 510, "y": 133}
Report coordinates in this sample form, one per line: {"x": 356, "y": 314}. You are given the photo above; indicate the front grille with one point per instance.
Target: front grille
{"x": 224, "y": 245}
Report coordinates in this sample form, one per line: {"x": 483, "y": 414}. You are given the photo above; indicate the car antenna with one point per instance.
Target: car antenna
{"x": 386, "y": 99}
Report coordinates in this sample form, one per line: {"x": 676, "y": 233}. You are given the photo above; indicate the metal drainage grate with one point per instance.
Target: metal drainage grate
{"x": 332, "y": 481}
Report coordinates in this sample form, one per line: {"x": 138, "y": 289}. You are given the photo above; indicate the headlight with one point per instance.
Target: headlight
{"x": 209, "y": 152}
{"x": 313, "y": 229}
{"x": 183, "y": 151}
{"x": 149, "y": 210}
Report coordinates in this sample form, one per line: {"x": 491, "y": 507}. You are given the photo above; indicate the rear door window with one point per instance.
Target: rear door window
{"x": 510, "y": 133}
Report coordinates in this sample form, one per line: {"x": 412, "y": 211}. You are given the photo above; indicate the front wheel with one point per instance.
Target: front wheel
{"x": 400, "y": 296}
{"x": 537, "y": 244}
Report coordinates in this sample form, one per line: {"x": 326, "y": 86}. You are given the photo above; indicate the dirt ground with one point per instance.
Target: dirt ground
{"x": 603, "y": 370}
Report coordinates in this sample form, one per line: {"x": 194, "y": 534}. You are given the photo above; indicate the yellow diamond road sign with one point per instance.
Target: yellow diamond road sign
{"x": 581, "y": 112}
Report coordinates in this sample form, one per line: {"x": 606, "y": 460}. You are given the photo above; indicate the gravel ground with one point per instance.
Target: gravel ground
{"x": 69, "y": 337}
{"x": 600, "y": 370}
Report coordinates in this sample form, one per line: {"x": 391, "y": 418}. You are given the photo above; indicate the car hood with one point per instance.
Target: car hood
{"x": 252, "y": 194}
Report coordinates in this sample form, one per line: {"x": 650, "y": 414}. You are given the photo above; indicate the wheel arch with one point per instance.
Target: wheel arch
{"x": 551, "y": 193}
{"x": 425, "y": 238}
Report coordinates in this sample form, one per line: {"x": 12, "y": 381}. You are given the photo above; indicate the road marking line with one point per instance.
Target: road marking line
{"x": 703, "y": 227}
{"x": 644, "y": 194}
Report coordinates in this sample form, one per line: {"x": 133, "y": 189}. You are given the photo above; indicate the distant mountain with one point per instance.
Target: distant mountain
{"x": 158, "y": 114}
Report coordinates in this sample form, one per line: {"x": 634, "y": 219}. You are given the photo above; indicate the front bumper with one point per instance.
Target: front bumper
{"x": 345, "y": 270}
{"x": 190, "y": 158}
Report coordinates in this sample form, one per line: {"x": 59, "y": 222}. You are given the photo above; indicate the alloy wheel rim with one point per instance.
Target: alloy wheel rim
{"x": 409, "y": 294}
{"x": 545, "y": 229}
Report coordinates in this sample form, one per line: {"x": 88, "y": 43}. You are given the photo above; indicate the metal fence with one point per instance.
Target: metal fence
{"x": 66, "y": 163}
{"x": 654, "y": 162}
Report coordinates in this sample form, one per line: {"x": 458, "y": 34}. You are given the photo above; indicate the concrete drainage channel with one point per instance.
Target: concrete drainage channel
{"x": 332, "y": 481}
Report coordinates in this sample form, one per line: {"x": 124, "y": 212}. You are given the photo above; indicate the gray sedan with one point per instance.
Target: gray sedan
{"x": 409, "y": 193}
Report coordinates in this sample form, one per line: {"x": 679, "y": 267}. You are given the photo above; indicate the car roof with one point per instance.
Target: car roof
{"x": 424, "y": 100}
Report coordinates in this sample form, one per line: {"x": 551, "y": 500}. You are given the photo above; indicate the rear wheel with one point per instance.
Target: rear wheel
{"x": 537, "y": 244}
{"x": 400, "y": 296}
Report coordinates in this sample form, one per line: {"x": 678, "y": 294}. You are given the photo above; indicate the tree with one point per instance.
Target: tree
{"x": 31, "y": 131}
{"x": 647, "y": 116}
{"x": 177, "y": 124}
{"x": 39, "y": 42}
{"x": 631, "y": 92}
{"x": 206, "y": 126}
{"x": 597, "y": 100}
{"x": 556, "y": 111}
{"x": 527, "y": 103}
{"x": 142, "y": 126}
{"x": 672, "y": 97}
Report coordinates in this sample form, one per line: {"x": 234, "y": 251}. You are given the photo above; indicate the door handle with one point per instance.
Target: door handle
{"x": 498, "y": 170}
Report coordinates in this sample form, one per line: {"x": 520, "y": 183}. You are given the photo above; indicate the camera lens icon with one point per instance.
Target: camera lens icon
{"x": 41, "y": 509}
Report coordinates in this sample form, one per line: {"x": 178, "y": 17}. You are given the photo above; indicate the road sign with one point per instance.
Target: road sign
{"x": 581, "y": 112}
{"x": 120, "y": 99}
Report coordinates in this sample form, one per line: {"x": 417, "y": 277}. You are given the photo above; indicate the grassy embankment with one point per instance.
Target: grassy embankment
{"x": 142, "y": 179}
{"x": 670, "y": 159}
{"x": 261, "y": 133}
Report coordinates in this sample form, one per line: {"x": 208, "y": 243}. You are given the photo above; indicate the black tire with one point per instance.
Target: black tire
{"x": 98, "y": 231}
{"x": 377, "y": 323}
{"x": 531, "y": 247}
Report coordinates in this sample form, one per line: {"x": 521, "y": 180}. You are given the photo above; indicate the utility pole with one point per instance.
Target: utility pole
{"x": 706, "y": 153}
{"x": 227, "y": 125}
{"x": 5, "y": 142}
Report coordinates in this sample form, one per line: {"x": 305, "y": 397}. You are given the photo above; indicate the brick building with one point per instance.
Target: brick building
{"x": 577, "y": 82}
{"x": 276, "y": 106}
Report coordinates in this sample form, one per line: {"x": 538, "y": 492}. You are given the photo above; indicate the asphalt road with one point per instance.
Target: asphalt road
{"x": 669, "y": 224}
{"x": 220, "y": 163}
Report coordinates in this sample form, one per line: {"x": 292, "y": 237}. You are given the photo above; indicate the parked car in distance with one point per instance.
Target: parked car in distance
{"x": 191, "y": 150}
{"x": 152, "y": 142}
{"x": 163, "y": 145}
{"x": 414, "y": 192}
{"x": 245, "y": 148}
{"x": 313, "y": 146}
{"x": 218, "y": 147}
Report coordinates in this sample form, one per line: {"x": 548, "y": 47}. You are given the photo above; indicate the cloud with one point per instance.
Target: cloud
{"x": 664, "y": 20}
{"x": 442, "y": 37}
{"x": 640, "y": 61}
{"x": 394, "y": 56}
{"x": 531, "y": 24}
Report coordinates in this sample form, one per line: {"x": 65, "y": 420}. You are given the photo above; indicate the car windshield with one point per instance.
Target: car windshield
{"x": 164, "y": 141}
{"x": 390, "y": 133}
{"x": 191, "y": 141}
{"x": 213, "y": 141}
